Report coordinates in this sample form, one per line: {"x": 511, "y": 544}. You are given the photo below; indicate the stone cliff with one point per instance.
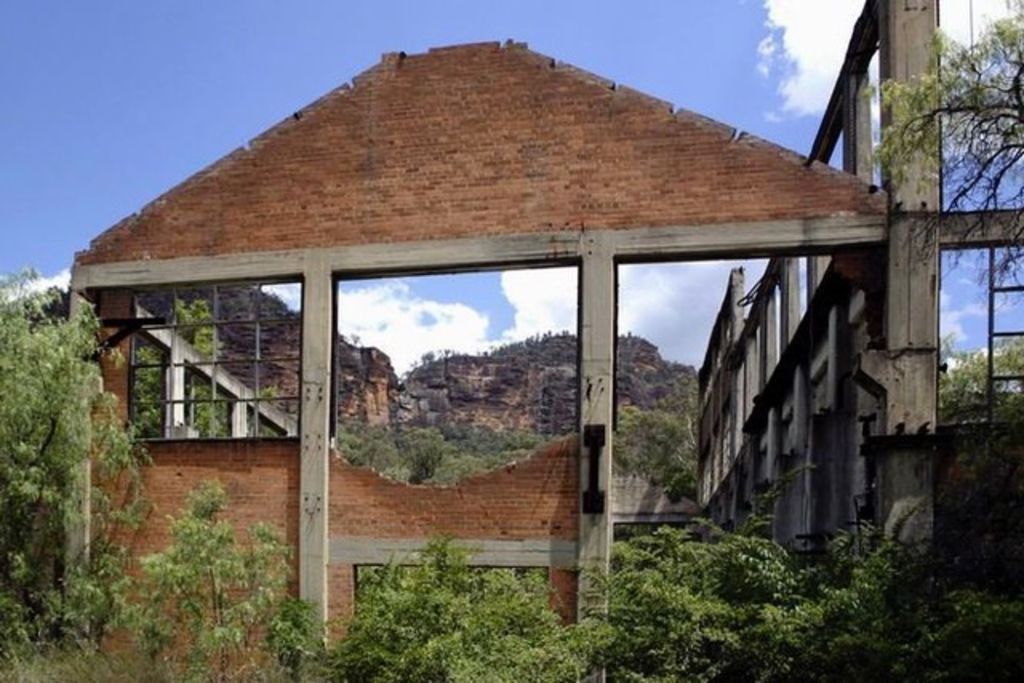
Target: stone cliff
{"x": 529, "y": 385}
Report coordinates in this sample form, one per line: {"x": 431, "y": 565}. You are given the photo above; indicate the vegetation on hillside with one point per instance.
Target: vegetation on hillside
{"x": 656, "y": 440}
{"x": 429, "y": 455}
{"x": 660, "y": 444}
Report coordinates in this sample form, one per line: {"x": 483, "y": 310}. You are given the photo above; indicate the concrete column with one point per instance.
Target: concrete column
{"x": 175, "y": 421}
{"x": 857, "y": 133}
{"x": 597, "y": 349}
{"x": 912, "y": 309}
{"x": 79, "y": 526}
{"x": 790, "y": 287}
{"x": 318, "y": 298}
{"x": 906, "y": 31}
{"x": 770, "y": 339}
{"x": 239, "y": 420}
{"x": 906, "y": 372}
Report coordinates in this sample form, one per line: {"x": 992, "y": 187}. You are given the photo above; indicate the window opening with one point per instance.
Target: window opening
{"x": 226, "y": 364}
{"x": 441, "y": 376}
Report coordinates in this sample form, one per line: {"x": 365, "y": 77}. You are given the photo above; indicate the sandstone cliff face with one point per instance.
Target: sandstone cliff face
{"x": 366, "y": 385}
{"x": 529, "y": 386}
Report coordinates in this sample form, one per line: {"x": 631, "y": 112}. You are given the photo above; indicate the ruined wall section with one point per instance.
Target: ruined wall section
{"x": 533, "y": 499}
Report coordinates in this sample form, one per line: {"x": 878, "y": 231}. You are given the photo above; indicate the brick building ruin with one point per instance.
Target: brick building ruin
{"x": 493, "y": 156}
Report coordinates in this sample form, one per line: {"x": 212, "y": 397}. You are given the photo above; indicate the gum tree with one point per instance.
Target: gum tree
{"x": 53, "y": 417}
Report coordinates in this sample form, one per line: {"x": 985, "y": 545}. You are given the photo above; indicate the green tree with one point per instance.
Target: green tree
{"x": 206, "y": 600}
{"x": 963, "y": 388}
{"x": 661, "y": 444}
{"x": 423, "y": 449}
{"x": 443, "y": 620}
{"x": 54, "y": 417}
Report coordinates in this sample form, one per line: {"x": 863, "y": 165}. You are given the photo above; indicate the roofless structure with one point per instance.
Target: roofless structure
{"x": 475, "y": 157}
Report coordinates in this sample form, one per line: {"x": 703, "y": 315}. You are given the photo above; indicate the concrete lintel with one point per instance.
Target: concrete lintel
{"x": 739, "y": 239}
{"x": 748, "y": 239}
{"x": 543, "y": 552}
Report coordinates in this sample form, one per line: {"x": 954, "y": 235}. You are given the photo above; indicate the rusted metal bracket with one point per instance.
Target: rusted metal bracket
{"x": 125, "y": 328}
{"x": 594, "y": 436}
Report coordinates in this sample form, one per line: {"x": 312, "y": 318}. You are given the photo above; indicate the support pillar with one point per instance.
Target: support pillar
{"x": 597, "y": 350}
{"x": 318, "y": 298}
{"x": 79, "y": 525}
{"x": 857, "y": 133}
{"x": 912, "y": 301}
{"x": 790, "y": 299}
{"x": 905, "y": 374}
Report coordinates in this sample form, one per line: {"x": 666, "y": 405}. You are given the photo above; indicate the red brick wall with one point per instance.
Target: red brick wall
{"x": 261, "y": 478}
{"x": 470, "y": 141}
{"x": 536, "y": 498}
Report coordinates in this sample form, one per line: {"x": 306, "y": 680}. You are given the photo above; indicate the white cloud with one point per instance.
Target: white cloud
{"x": 16, "y": 286}
{"x": 804, "y": 49}
{"x": 951, "y": 320}
{"x": 807, "y": 40}
{"x": 544, "y": 300}
{"x": 391, "y": 317}
{"x": 674, "y": 305}
{"x": 61, "y": 280}
{"x": 955, "y": 17}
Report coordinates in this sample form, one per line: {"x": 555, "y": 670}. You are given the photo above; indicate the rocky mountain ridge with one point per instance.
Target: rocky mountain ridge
{"x": 529, "y": 385}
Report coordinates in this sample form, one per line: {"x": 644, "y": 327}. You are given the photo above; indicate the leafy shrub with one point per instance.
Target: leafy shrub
{"x": 205, "y": 602}
{"x": 296, "y": 636}
{"x": 660, "y": 443}
{"x": 443, "y": 620}
{"x": 744, "y": 608}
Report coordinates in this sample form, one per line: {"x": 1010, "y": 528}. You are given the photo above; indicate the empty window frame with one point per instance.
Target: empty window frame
{"x": 440, "y": 376}
{"x": 981, "y": 322}
{"x": 224, "y": 363}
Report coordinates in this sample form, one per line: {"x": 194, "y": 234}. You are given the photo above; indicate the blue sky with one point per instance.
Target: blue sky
{"x": 109, "y": 104}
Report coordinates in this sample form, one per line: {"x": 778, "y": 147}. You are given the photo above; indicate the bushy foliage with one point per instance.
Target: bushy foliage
{"x": 443, "y": 620}
{"x": 54, "y": 417}
{"x": 84, "y": 666}
{"x": 744, "y": 608}
{"x": 979, "y": 532}
{"x": 296, "y": 637}
{"x": 205, "y": 602}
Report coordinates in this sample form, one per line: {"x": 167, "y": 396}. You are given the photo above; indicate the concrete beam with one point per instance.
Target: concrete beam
{"x": 318, "y": 300}
{"x": 973, "y": 230}
{"x": 750, "y": 239}
{"x": 544, "y": 552}
{"x": 745, "y": 239}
